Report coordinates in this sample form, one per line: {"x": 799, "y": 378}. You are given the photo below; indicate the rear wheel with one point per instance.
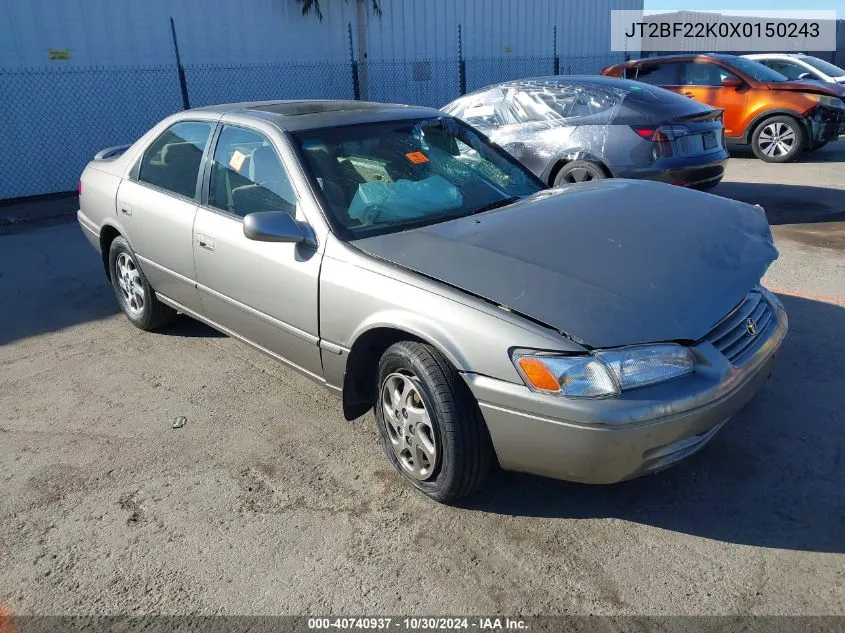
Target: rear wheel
{"x": 430, "y": 424}
{"x": 778, "y": 139}
{"x": 134, "y": 293}
{"x": 579, "y": 171}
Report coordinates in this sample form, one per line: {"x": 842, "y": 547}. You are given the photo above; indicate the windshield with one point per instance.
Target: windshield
{"x": 756, "y": 70}
{"x": 387, "y": 176}
{"x": 819, "y": 64}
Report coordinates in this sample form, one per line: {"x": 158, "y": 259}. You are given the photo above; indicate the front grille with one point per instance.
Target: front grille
{"x": 735, "y": 337}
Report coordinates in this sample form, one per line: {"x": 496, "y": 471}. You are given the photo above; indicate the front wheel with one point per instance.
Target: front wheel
{"x": 430, "y": 424}
{"x": 778, "y": 139}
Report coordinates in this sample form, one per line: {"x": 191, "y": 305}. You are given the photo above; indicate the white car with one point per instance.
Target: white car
{"x": 797, "y": 66}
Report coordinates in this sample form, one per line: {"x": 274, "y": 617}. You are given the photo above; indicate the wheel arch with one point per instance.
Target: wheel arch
{"x": 359, "y": 380}
{"x": 107, "y": 235}
{"x": 582, "y": 154}
{"x": 767, "y": 114}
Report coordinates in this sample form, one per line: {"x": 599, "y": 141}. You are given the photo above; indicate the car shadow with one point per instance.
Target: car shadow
{"x": 832, "y": 152}
{"x": 788, "y": 204}
{"x": 189, "y": 327}
{"x": 773, "y": 477}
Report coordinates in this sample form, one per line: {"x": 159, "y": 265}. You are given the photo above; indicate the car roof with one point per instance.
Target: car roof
{"x": 595, "y": 81}
{"x": 310, "y": 114}
{"x": 775, "y": 55}
{"x": 679, "y": 57}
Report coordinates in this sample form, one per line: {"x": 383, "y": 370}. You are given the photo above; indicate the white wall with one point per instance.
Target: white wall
{"x": 137, "y": 32}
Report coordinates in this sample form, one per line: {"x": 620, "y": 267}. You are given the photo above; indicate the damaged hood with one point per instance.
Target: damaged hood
{"x": 617, "y": 262}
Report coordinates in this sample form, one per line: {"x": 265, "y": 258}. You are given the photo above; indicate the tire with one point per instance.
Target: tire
{"x": 435, "y": 435}
{"x": 134, "y": 293}
{"x": 778, "y": 139}
{"x": 579, "y": 171}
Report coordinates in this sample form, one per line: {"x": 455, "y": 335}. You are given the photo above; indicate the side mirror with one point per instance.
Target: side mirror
{"x": 806, "y": 76}
{"x": 273, "y": 226}
{"x": 732, "y": 82}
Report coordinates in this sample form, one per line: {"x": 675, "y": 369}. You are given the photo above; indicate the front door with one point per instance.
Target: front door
{"x": 702, "y": 81}
{"x": 265, "y": 292}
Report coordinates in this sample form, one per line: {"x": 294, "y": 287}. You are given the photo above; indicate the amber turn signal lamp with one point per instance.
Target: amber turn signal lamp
{"x": 538, "y": 374}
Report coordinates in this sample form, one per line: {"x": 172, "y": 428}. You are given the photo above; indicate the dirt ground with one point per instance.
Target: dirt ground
{"x": 268, "y": 502}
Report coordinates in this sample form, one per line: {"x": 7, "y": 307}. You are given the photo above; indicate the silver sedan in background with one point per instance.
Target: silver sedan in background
{"x": 594, "y": 332}
{"x": 576, "y": 129}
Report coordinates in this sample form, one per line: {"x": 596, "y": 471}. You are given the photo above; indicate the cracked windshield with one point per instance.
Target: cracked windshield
{"x": 386, "y": 176}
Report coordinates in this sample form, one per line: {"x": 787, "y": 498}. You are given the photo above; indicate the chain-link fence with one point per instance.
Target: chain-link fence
{"x": 56, "y": 119}
{"x": 53, "y": 121}
{"x": 210, "y": 84}
{"x": 426, "y": 82}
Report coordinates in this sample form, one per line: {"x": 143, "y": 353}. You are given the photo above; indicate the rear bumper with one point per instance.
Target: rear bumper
{"x": 693, "y": 173}
{"x": 604, "y": 441}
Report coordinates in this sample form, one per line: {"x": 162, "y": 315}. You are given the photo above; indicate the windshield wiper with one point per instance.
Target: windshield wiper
{"x": 495, "y": 205}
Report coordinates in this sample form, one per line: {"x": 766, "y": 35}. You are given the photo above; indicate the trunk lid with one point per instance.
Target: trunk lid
{"x": 613, "y": 263}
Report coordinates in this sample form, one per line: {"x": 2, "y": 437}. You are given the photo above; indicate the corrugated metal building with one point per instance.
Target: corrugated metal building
{"x": 78, "y": 75}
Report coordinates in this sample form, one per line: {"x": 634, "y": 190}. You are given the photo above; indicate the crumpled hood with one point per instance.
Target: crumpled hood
{"x": 611, "y": 263}
{"x": 817, "y": 87}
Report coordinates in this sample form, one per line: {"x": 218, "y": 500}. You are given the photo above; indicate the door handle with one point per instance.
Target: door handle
{"x": 203, "y": 241}
{"x": 689, "y": 94}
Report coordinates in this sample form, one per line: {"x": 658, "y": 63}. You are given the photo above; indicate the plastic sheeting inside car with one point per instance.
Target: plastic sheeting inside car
{"x": 403, "y": 199}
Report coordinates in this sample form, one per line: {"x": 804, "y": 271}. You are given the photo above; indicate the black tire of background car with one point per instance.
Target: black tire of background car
{"x": 155, "y": 314}
{"x": 794, "y": 125}
{"x": 579, "y": 171}
{"x": 466, "y": 452}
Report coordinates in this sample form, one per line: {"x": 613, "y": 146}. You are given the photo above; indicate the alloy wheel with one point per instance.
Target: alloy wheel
{"x": 578, "y": 174}
{"x": 409, "y": 425}
{"x": 129, "y": 283}
{"x": 777, "y": 139}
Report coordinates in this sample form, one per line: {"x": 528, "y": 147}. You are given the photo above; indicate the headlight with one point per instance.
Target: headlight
{"x": 603, "y": 373}
{"x": 825, "y": 100}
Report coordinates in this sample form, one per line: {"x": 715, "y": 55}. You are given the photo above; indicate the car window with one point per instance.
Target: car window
{"x": 825, "y": 67}
{"x": 663, "y": 74}
{"x": 247, "y": 175}
{"x": 386, "y": 176}
{"x": 484, "y": 110}
{"x": 703, "y": 74}
{"x": 756, "y": 70}
{"x": 556, "y": 102}
{"x": 172, "y": 161}
{"x": 788, "y": 69}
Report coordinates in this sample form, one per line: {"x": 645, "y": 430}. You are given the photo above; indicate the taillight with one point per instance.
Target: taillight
{"x": 662, "y": 136}
{"x": 645, "y": 132}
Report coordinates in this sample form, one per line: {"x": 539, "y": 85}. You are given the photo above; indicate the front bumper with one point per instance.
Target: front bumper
{"x": 824, "y": 125}
{"x": 603, "y": 441}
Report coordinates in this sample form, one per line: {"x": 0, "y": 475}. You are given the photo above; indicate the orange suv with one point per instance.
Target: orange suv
{"x": 778, "y": 117}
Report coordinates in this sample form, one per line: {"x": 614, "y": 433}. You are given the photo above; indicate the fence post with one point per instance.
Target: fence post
{"x": 356, "y": 86}
{"x": 462, "y": 68}
{"x": 554, "y": 50}
{"x": 183, "y": 83}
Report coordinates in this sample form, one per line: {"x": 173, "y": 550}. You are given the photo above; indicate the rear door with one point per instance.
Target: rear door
{"x": 157, "y": 205}
{"x": 265, "y": 292}
{"x": 702, "y": 81}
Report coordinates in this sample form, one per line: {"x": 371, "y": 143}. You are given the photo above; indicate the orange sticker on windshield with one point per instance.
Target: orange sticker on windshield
{"x": 416, "y": 157}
